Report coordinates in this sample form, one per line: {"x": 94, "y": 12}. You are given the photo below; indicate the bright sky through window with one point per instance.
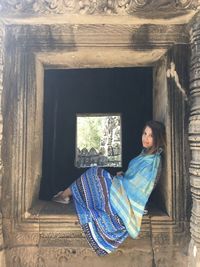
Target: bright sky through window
{"x": 98, "y": 140}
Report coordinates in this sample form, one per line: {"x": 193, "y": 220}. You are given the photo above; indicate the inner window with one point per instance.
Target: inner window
{"x": 98, "y": 140}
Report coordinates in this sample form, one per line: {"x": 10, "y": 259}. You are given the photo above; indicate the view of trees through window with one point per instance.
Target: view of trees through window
{"x": 98, "y": 140}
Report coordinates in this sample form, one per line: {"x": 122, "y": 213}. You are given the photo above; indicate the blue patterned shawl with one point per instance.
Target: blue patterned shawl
{"x": 111, "y": 208}
{"x": 129, "y": 194}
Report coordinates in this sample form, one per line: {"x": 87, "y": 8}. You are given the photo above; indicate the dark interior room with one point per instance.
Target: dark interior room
{"x": 126, "y": 91}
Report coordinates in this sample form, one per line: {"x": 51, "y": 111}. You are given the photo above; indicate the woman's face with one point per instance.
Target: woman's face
{"x": 147, "y": 138}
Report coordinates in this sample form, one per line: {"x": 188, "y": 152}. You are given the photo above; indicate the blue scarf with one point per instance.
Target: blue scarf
{"x": 129, "y": 193}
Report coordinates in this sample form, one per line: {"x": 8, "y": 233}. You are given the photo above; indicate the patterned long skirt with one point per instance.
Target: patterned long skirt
{"x": 103, "y": 228}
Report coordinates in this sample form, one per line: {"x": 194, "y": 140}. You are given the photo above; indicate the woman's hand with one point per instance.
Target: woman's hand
{"x": 120, "y": 173}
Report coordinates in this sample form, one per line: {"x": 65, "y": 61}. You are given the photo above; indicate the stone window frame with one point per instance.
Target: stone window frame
{"x": 57, "y": 47}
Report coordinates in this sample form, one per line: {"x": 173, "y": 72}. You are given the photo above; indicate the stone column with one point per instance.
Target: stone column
{"x": 194, "y": 138}
{"x": 2, "y": 252}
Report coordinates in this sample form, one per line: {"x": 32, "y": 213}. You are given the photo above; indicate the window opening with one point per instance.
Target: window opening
{"x": 98, "y": 140}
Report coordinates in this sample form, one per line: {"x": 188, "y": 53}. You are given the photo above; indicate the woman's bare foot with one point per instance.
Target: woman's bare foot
{"x": 60, "y": 197}
{"x": 67, "y": 193}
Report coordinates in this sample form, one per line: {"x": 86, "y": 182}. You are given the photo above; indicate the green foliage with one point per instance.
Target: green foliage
{"x": 89, "y": 132}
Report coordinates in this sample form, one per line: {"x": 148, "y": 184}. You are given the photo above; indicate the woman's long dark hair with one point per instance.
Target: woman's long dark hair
{"x": 159, "y": 136}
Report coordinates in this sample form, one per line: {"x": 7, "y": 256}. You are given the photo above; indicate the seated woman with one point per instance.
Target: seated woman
{"x": 111, "y": 208}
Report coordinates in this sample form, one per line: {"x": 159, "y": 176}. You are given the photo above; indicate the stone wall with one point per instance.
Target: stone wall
{"x": 194, "y": 138}
{"x": 45, "y": 235}
{"x": 2, "y": 263}
{"x": 132, "y": 253}
{"x": 97, "y": 7}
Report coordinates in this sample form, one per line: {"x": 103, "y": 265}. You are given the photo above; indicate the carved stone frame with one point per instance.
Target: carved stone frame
{"x": 32, "y": 50}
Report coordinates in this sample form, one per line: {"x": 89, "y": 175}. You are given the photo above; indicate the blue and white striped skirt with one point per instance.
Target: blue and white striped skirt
{"x": 102, "y": 226}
